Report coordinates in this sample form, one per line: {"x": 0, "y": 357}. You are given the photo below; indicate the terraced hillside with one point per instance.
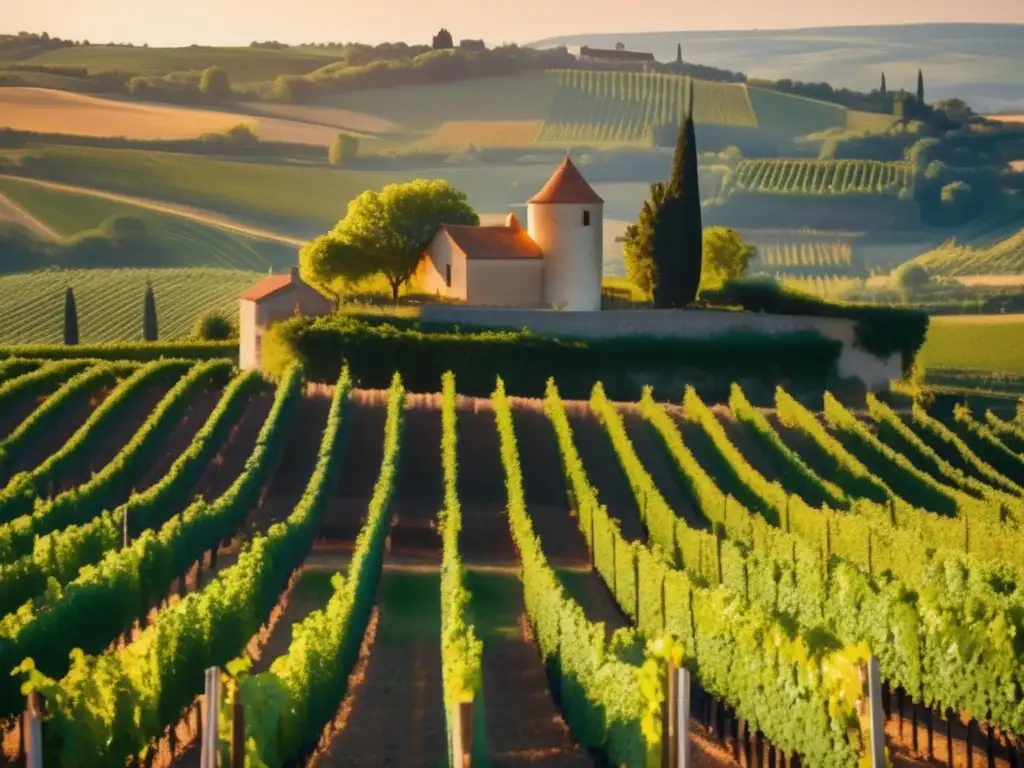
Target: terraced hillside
{"x": 384, "y": 559}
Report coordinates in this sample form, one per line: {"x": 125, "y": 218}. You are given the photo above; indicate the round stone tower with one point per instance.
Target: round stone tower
{"x": 566, "y": 219}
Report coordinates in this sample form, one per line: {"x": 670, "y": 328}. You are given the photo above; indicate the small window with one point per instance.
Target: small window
{"x": 448, "y": 275}
{"x": 586, "y": 218}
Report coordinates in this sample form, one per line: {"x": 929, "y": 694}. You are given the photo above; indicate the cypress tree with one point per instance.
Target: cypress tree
{"x": 149, "y": 329}
{"x": 677, "y": 240}
{"x": 883, "y": 90}
{"x": 679, "y": 53}
{"x": 70, "y": 318}
{"x": 920, "y": 88}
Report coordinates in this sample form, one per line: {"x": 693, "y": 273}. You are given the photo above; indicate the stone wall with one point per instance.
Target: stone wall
{"x": 875, "y": 373}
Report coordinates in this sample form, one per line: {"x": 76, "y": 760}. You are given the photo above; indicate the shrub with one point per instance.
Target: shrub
{"x": 214, "y": 326}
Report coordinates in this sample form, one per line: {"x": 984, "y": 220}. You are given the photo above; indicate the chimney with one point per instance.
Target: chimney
{"x": 294, "y": 274}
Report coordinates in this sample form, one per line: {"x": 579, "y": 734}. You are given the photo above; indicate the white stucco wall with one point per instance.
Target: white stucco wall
{"x": 506, "y": 282}
{"x": 572, "y": 252}
{"x": 248, "y": 356}
{"x": 875, "y": 373}
{"x": 256, "y": 317}
{"x": 430, "y": 276}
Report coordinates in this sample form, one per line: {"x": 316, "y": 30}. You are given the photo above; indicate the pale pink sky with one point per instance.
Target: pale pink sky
{"x": 227, "y": 22}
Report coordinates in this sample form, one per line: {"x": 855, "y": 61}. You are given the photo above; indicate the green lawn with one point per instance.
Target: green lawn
{"x": 993, "y": 344}
{"x": 176, "y": 241}
{"x": 110, "y": 302}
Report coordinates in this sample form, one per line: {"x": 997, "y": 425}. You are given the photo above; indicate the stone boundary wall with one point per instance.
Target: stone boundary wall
{"x": 876, "y": 373}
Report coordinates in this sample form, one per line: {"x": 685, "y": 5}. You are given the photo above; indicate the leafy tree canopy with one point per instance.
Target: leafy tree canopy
{"x": 385, "y": 232}
{"x": 725, "y": 257}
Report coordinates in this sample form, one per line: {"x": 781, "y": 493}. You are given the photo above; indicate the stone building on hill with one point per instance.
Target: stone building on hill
{"x": 554, "y": 262}
{"x": 618, "y": 57}
{"x": 276, "y": 297}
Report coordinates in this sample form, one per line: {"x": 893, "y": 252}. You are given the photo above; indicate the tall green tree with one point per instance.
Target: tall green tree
{"x": 214, "y": 82}
{"x": 920, "y": 87}
{"x": 70, "y": 318}
{"x": 344, "y": 148}
{"x": 385, "y": 232}
{"x": 679, "y": 53}
{"x": 149, "y": 328}
{"x": 442, "y": 40}
{"x": 638, "y": 243}
{"x": 677, "y": 238}
{"x": 883, "y": 90}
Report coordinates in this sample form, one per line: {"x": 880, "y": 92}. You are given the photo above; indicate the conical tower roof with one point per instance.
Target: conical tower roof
{"x": 566, "y": 185}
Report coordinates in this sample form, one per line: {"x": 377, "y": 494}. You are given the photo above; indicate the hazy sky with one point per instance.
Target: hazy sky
{"x": 160, "y": 22}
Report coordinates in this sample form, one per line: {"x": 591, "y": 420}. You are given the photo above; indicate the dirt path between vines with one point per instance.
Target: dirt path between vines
{"x": 198, "y": 410}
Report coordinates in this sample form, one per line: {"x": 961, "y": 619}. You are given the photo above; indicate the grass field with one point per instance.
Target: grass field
{"x": 50, "y": 111}
{"x": 177, "y": 241}
{"x": 978, "y": 342}
{"x": 788, "y": 115}
{"x": 459, "y": 134}
{"x": 243, "y": 65}
{"x": 300, "y": 201}
{"x": 110, "y": 302}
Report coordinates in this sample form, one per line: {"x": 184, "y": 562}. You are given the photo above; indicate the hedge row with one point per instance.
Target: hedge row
{"x": 26, "y": 489}
{"x": 40, "y": 381}
{"x": 109, "y": 598}
{"x": 13, "y": 367}
{"x": 849, "y": 574}
{"x": 1011, "y": 433}
{"x": 899, "y": 436}
{"x": 461, "y": 649}
{"x": 881, "y": 331}
{"x": 598, "y": 681}
{"x": 777, "y": 680}
{"x": 112, "y": 706}
{"x": 375, "y": 350}
{"x": 987, "y": 446}
{"x": 287, "y": 707}
{"x": 980, "y": 532}
{"x": 138, "y": 351}
{"x": 61, "y": 554}
{"x": 93, "y": 379}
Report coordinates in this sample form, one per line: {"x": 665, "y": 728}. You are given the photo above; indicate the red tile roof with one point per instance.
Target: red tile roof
{"x": 266, "y": 287}
{"x": 567, "y": 185}
{"x": 509, "y": 242}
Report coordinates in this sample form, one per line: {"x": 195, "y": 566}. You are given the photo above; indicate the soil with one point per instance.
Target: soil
{"x": 739, "y": 433}
{"x": 196, "y": 413}
{"x": 419, "y": 491}
{"x": 804, "y": 446}
{"x": 16, "y": 410}
{"x": 44, "y": 443}
{"x": 363, "y": 423}
{"x": 228, "y": 463}
{"x": 394, "y": 712}
{"x": 604, "y": 470}
{"x": 660, "y": 465}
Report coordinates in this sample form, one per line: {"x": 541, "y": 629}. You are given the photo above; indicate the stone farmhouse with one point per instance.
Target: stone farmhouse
{"x": 553, "y": 262}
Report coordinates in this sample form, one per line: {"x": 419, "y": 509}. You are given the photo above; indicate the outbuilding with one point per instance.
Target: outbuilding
{"x": 275, "y": 298}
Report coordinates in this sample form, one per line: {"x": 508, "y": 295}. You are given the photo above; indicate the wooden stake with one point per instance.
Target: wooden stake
{"x": 33, "y": 730}
{"x": 237, "y": 728}
{"x": 683, "y": 718}
{"x": 209, "y": 738}
{"x": 462, "y": 734}
{"x": 877, "y": 720}
{"x": 949, "y": 736}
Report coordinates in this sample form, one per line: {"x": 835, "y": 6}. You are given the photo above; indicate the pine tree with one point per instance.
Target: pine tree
{"x": 70, "y": 318}
{"x": 883, "y": 90}
{"x": 677, "y": 239}
{"x": 149, "y": 329}
{"x": 920, "y": 88}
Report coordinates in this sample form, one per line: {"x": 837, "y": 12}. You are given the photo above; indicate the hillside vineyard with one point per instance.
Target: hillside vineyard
{"x": 161, "y": 518}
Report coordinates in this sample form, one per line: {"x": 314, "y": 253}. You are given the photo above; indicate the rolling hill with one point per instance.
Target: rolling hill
{"x": 977, "y": 62}
{"x": 955, "y": 260}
